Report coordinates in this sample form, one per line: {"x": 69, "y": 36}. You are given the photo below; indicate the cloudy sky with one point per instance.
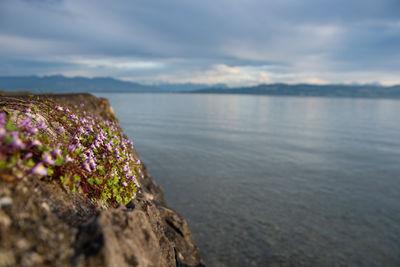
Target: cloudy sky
{"x": 238, "y": 42}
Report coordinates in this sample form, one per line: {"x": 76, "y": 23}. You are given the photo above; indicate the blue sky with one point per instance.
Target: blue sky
{"x": 236, "y": 42}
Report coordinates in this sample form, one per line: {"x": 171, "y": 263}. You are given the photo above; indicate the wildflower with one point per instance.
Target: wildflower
{"x": 73, "y": 116}
{"x": 32, "y": 131}
{"x": 42, "y": 125}
{"x": 36, "y": 142}
{"x": 68, "y": 159}
{"x": 59, "y": 108}
{"x": 124, "y": 183}
{"x": 56, "y": 152}
{"x": 92, "y": 164}
{"x": 108, "y": 146}
{"x": 86, "y": 166}
{"x": 2, "y": 132}
{"x": 2, "y": 118}
{"x": 60, "y": 129}
{"x": 39, "y": 169}
{"x": 47, "y": 159}
{"x": 26, "y": 123}
{"x": 71, "y": 148}
{"x": 27, "y": 156}
{"x": 17, "y": 142}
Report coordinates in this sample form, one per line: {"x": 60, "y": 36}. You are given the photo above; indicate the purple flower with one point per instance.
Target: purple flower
{"x": 2, "y": 132}
{"x": 27, "y": 156}
{"x": 68, "y": 159}
{"x": 86, "y": 166}
{"x": 108, "y": 146}
{"x": 92, "y": 164}
{"x": 36, "y": 142}
{"x": 41, "y": 125}
{"x": 47, "y": 159}
{"x": 17, "y": 142}
{"x": 71, "y": 148}
{"x": 73, "y": 116}
{"x": 60, "y": 129}
{"x": 124, "y": 183}
{"x": 39, "y": 169}
{"x": 32, "y": 131}
{"x": 56, "y": 152}
{"x": 25, "y": 123}
{"x": 2, "y": 118}
{"x": 59, "y": 108}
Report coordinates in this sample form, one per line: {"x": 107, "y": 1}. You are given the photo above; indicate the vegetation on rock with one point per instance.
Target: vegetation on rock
{"x": 83, "y": 153}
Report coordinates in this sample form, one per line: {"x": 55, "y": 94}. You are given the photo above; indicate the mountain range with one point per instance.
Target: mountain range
{"x": 62, "y": 84}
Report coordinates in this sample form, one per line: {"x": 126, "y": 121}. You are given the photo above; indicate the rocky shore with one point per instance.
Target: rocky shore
{"x": 42, "y": 224}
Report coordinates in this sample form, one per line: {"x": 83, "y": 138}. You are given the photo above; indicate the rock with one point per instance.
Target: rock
{"x": 5, "y": 201}
{"x": 43, "y": 224}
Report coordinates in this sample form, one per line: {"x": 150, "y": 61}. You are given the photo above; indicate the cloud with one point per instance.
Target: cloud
{"x": 230, "y": 41}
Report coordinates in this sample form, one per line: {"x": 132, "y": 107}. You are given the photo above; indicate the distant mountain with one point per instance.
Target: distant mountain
{"x": 334, "y": 90}
{"x": 187, "y": 87}
{"x": 61, "y": 84}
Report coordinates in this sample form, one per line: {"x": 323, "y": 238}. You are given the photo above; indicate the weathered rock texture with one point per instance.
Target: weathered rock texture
{"x": 41, "y": 224}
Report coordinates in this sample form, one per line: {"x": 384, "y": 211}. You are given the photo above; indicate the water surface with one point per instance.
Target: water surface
{"x": 275, "y": 180}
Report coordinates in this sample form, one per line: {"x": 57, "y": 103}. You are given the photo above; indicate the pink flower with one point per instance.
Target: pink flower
{"x": 68, "y": 159}
{"x": 86, "y": 166}
{"x": 27, "y": 156}
{"x": 36, "y": 143}
{"x": 47, "y": 159}
{"x": 56, "y": 152}
{"x": 41, "y": 125}
{"x": 39, "y": 169}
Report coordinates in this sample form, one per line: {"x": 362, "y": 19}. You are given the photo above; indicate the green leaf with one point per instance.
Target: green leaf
{"x": 11, "y": 127}
{"x": 119, "y": 199}
{"x": 78, "y": 178}
{"x": 72, "y": 187}
{"x": 9, "y": 139}
{"x": 98, "y": 181}
{"x": 59, "y": 162}
{"x": 50, "y": 171}
{"x": 104, "y": 196}
{"x": 35, "y": 108}
{"x": 90, "y": 181}
{"x": 29, "y": 163}
{"x": 62, "y": 179}
{"x": 3, "y": 164}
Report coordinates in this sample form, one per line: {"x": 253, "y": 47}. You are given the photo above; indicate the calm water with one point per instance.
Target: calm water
{"x": 272, "y": 180}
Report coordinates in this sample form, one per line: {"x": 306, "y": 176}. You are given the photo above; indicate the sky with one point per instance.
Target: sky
{"x": 237, "y": 42}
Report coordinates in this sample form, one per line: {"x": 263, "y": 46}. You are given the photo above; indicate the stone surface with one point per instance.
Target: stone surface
{"x": 41, "y": 224}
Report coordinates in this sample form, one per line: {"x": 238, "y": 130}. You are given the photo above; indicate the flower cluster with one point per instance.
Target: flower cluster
{"x": 81, "y": 151}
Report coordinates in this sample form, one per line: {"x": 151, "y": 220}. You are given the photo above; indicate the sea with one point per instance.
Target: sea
{"x": 275, "y": 181}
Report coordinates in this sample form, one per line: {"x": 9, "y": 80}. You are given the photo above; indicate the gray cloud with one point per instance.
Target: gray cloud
{"x": 288, "y": 40}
